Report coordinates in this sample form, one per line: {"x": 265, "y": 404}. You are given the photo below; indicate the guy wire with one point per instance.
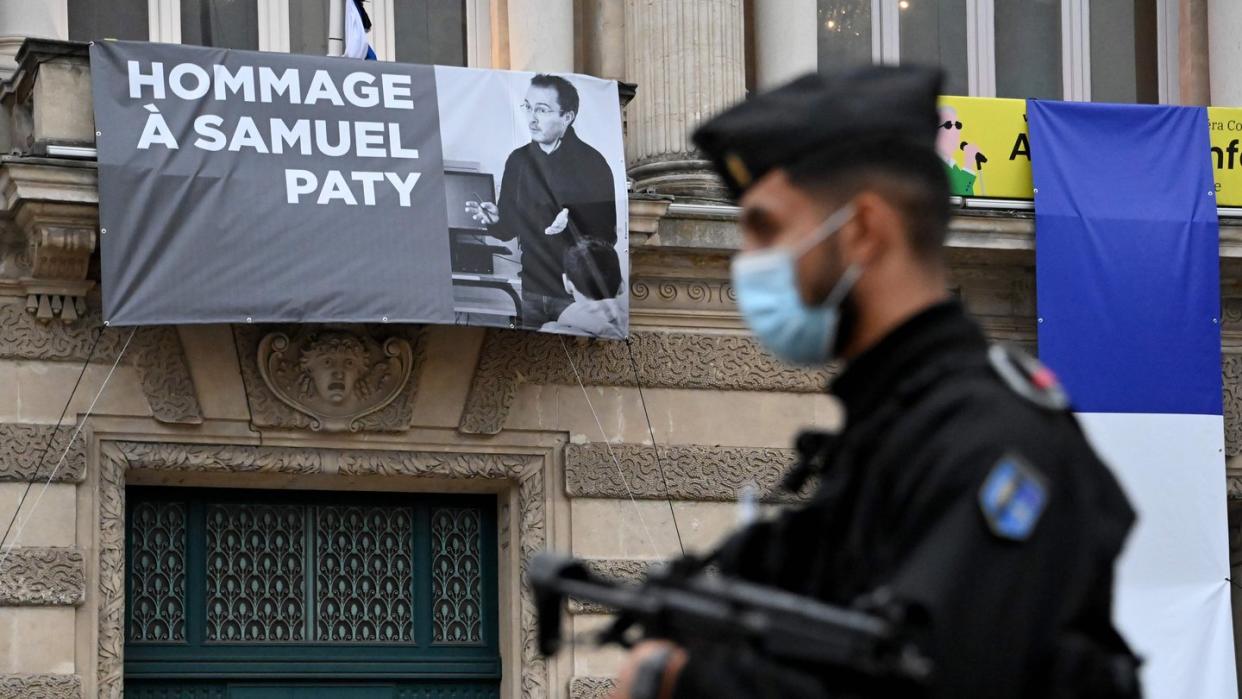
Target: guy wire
{"x": 668, "y": 498}
{"x": 51, "y": 438}
{"x": 4, "y": 553}
{"x": 608, "y": 445}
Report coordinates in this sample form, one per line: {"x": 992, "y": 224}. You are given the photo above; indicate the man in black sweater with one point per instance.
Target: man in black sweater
{"x": 556, "y": 191}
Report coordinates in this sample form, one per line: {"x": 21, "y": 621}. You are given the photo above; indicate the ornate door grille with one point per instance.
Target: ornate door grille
{"x": 228, "y": 586}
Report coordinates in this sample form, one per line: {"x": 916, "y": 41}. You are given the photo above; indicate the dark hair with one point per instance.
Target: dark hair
{"x": 909, "y": 176}
{"x": 566, "y": 93}
{"x": 593, "y": 267}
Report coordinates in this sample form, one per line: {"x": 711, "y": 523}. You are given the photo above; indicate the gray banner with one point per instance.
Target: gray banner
{"x": 239, "y": 186}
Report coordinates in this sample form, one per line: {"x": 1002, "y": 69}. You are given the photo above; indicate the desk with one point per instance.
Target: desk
{"x": 510, "y": 285}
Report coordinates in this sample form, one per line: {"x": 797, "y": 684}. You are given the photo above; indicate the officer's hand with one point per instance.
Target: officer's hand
{"x": 485, "y": 213}
{"x": 674, "y": 659}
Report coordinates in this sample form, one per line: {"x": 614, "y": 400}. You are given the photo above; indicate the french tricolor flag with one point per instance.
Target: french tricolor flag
{"x": 357, "y": 24}
{"x": 1128, "y": 287}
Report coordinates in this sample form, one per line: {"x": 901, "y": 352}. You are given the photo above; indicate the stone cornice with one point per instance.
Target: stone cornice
{"x": 43, "y": 577}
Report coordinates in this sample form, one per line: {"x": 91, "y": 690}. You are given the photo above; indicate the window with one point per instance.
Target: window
{"x": 1106, "y": 50}
{"x": 230, "y": 24}
{"x": 431, "y": 31}
{"x": 1028, "y": 62}
{"x": 444, "y": 32}
{"x": 117, "y": 19}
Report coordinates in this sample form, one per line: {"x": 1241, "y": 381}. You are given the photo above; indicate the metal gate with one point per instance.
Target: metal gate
{"x": 241, "y": 594}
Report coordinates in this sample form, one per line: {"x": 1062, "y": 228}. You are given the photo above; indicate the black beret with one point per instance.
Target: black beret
{"x": 817, "y": 116}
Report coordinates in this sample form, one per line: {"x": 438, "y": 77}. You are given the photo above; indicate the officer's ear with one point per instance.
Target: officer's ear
{"x": 876, "y": 227}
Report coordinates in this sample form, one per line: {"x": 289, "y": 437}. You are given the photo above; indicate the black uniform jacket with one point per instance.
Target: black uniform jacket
{"x": 535, "y": 187}
{"x": 898, "y": 506}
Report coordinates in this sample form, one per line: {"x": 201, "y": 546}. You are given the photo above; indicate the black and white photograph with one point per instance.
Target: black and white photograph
{"x": 536, "y": 203}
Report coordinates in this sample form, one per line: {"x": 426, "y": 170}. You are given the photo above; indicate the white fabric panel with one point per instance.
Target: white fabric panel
{"x": 1172, "y": 593}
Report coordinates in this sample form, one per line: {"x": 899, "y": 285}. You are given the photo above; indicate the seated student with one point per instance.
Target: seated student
{"x": 593, "y": 277}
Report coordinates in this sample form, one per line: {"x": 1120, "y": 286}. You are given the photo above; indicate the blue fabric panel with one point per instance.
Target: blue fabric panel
{"x": 1127, "y": 257}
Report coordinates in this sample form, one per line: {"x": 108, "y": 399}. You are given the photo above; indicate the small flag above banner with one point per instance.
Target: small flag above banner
{"x": 357, "y": 24}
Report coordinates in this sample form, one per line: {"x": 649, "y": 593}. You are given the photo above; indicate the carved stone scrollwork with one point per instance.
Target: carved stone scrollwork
{"x": 40, "y": 687}
{"x": 335, "y": 377}
{"x": 42, "y": 577}
{"x": 591, "y": 687}
{"x": 156, "y": 353}
{"x": 721, "y": 361}
{"x": 525, "y": 471}
{"x": 692, "y": 472}
{"x": 1231, "y": 379}
{"x": 30, "y": 452}
{"x": 355, "y": 378}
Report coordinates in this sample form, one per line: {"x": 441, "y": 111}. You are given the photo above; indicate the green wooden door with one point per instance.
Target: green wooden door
{"x": 236, "y": 594}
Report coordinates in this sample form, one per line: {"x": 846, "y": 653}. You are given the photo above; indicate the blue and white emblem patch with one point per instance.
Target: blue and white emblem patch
{"x": 1012, "y": 498}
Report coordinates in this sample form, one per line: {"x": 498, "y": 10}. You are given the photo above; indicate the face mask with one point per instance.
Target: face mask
{"x": 766, "y": 283}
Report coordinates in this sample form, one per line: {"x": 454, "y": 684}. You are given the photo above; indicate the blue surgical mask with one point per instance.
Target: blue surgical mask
{"x": 766, "y": 283}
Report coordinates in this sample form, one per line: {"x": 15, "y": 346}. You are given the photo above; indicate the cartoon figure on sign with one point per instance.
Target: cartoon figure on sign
{"x": 962, "y": 178}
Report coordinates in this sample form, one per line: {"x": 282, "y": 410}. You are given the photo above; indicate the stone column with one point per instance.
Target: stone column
{"x": 47, "y": 19}
{"x": 541, "y": 35}
{"x": 604, "y": 38}
{"x": 786, "y": 45}
{"x": 1192, "y": 52}
{"x": 1223, "y": 27}
{"x": 688, "y": 59}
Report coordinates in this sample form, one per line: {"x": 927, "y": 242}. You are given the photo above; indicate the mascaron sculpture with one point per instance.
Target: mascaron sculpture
{"x": 334, "y": 376}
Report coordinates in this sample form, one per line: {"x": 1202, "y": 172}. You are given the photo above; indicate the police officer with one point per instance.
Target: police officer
{"x": 961, "y": 484}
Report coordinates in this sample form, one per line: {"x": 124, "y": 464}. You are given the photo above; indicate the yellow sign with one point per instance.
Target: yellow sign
{"x": 1225, "y": 129}
{"x": 985, "y": 148}
{"x": 987, "y": 151}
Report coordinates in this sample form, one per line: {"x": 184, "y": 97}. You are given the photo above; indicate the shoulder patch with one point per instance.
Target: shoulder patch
{"x": 1012, "y": 498}
{"x": 1028, "y": 377}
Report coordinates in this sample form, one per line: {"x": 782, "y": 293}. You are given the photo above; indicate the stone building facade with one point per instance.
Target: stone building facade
{"x": 613, "y": 451}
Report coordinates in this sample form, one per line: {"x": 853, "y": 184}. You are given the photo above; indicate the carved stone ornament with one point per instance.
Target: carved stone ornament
{"x": 282, "y": 391}
{"x": 680, "y": 472}
{"x": 526, "y": 473}
{"x": 40, "y": 687}
{"x": 43, "y": 577}
{"x": 720, "y": 361}
{"x": 591, "y": 687}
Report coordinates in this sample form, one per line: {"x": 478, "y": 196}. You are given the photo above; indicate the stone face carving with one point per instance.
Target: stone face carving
{"x": 42, "y": 577}
{"x": 335, "y": 377}
{"x": 526, "y": 471}
{"x": 722, "y": 361}
{"x": 332, "y": 379}
{"x": 40, "y": 687}
{"x": 693, "y": 472}
{"x": 22, "y": 447}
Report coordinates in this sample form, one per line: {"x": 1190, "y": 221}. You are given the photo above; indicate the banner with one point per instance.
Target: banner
{"x": 1128, "y": 293}
{"x": 239, "y": 186}
{"x": 987, "y": 152}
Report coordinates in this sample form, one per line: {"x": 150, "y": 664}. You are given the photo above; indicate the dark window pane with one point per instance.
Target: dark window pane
{"x": 1124, "y": 64}
{"x": 431, "y": 31}
{"x": 229, "y": 24}
{"x": 933, "y": 32}
{"x": 1028, "y": 48}
{"x": 844, "y": 33}
{"x": 116, "y": 19}
{"x": 308, "y": 27}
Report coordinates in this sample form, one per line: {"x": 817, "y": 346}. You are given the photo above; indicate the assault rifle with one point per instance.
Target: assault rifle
{"x": 698, "y": 610}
